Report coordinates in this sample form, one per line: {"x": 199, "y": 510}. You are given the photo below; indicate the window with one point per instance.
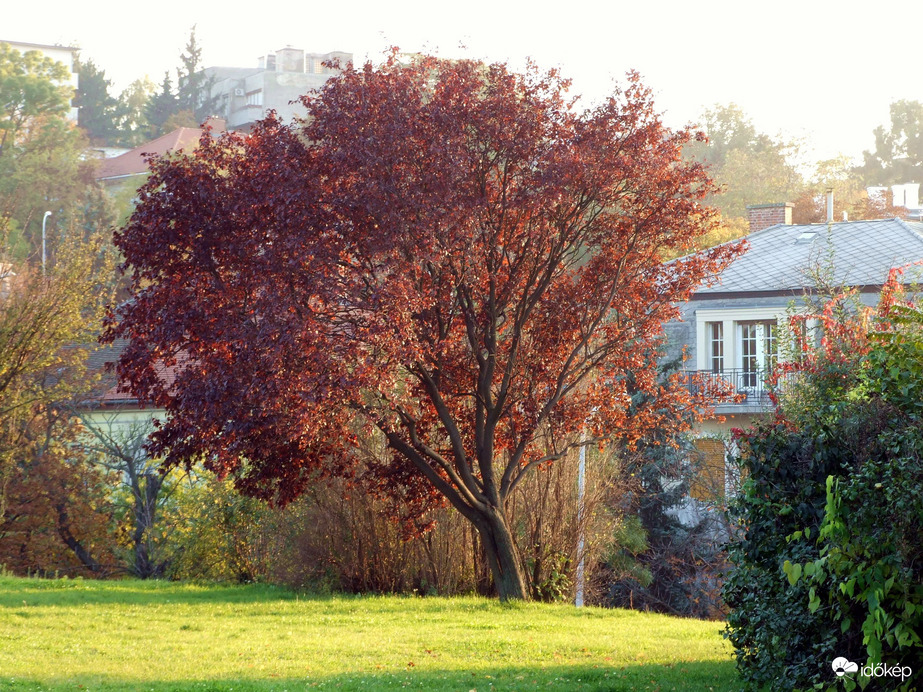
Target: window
{"x": 715, "y": 331}
{"x": 255, "y": 98}
{"x": 758, "y": 350}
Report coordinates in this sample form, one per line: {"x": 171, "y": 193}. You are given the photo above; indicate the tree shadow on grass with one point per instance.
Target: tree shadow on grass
{"x": 683, "y": 676}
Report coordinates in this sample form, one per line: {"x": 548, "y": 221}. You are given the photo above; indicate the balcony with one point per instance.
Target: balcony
{"x": 743, "y": 391}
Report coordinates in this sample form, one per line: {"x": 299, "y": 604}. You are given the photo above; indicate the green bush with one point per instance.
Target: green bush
{"x": 828, "y": 561}
{"x": 778, "y": 642}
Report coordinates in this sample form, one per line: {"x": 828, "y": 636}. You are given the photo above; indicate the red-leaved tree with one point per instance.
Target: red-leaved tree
{"x": 446, "y": 257}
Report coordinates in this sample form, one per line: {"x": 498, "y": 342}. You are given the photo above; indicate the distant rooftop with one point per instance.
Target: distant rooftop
{"x": 133, "y": 162}
{"x": 38, "y": 46}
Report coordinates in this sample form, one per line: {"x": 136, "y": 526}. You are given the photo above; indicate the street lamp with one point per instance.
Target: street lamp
{"x": 44, "y": 219}
{"x": 581, "y": 510}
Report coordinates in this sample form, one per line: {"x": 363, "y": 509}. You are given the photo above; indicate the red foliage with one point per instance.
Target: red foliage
{"x": 55, "y": 513}
{"x": 447, "y": 255}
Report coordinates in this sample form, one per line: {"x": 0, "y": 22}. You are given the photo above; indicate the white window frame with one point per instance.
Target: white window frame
{"x": 730, "y": 317}
{"x": 763, "y": 357}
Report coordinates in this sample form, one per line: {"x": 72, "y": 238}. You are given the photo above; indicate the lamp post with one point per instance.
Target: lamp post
{"x": 581, "y": 482}
{"x": 44, "y": 219}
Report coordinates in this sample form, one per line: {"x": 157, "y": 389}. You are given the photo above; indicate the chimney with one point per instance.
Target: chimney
{"x": 290, "y": 59}
{"x": 765, "y": 215}
{"x": 829, "y": 205}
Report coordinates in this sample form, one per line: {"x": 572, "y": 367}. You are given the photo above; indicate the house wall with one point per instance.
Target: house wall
{"x": 246, "y": 95}
{"x": 123, "y": 418}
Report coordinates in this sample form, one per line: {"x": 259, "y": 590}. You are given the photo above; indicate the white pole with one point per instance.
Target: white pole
{"x": 44, "y": 219}
{"x": 581, "y": 481}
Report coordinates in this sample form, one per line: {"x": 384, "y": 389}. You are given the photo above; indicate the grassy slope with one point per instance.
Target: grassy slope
{"x": 162, "y": 636}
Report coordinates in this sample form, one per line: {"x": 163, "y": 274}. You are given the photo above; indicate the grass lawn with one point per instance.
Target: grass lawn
{"x": 132, "y": 635}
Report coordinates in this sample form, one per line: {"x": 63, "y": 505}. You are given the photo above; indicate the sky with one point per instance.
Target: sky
{"x": 821, "y": 72}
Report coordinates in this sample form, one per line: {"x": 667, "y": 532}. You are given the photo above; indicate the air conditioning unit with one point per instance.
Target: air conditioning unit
{"x": 238, "y": 92}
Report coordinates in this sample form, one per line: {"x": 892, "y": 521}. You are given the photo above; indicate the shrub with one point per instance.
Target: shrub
{"x": 828, "y": 563}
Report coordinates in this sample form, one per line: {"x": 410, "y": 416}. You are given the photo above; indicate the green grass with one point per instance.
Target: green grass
{"x": 131, "y": 635}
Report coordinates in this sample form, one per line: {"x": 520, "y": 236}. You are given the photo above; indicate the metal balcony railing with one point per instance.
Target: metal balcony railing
{"x": 744, "y": 387}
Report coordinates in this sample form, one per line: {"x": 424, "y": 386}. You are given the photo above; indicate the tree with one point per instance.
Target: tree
{"x": 161, "y": 106}
{"x": 54, "y": 509}
{"x": 828, "y": 559}
{"x": 446, "y": 258}
{"x": 751, "y": 166}
{"x": 46, "y": 324}
{"x": 99, "y": 112}
{"x": 43, "y": 166}
{"x": 134, "y": 128}
{"x": 849, "y": 196}
{"x": 119, "y": 448}
{"x": 898, "y": 155}
{"x": 29, "y": 88}
{"x": 194, "y": 86}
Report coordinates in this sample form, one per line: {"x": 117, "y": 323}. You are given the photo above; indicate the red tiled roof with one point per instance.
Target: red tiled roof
{"x": 114, "y": 395}
{"x": 133, "y": 163}
{"x": 117, "y": 395}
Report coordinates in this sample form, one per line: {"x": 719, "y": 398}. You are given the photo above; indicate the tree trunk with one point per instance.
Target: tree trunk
{"x": 502, "y": 555}
{"x": 71, "y": 541}
{"x": 145, "y": 509}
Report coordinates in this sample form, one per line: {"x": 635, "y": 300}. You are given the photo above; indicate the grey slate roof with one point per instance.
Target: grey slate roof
{"x": 861, "y": 254}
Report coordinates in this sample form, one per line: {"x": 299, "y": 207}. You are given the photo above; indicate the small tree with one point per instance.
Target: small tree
{"x": 119, "y": 448}
{"x": 134, "y": 128}
{"x": 194, "y": 87}
{"x": 161, "y": 106}
{"x": 447, "y": 257}
{"x": 46, "y": 324}
{"x": 99, "y": 112}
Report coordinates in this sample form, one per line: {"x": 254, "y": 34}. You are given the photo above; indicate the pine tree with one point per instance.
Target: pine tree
{"x": 99, "y": 112}
{"x": 194, "y": 87}
{"x": 161, "y": 106}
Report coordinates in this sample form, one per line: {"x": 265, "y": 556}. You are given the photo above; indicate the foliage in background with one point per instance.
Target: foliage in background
{"x": 193, "y": 86}
{"x": 342, "y": 537}
{"x": 162, "y": 105}
{"x": 55, "y": 506}
{"x": 134, "y": 128}
{"x": 189, "y": 102}
{"x": 48, "y": 325}
{"x": 99, "y": 112}
{"x": 898, "y": 154}
{"x": 850, "y": 196}
{"x": 219, "y": 535}
{"x": 657, "y": 561}
{"x": 141, "y": 491}
{"x": 43, "y": 166}
{"x": 750, "y": 166}
{"x": 828, "y": 563}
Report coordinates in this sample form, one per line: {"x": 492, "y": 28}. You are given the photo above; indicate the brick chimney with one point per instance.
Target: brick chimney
{"x": 765, "y": 215}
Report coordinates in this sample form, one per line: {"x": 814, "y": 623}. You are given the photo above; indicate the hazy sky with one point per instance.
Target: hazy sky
{"x": 819, "y": 70}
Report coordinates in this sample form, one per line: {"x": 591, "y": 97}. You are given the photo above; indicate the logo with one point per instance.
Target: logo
{"x": 841, "y": 666}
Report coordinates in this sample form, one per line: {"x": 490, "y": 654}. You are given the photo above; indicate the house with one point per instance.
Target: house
{"x": 112, "y": 417}
{"x": 735, "y": 331}
{"x": 67, "y": 55}
{"x": 132, "y": 165}
{"x": 243, "y": 95}
{"x": 122, "y": 175}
